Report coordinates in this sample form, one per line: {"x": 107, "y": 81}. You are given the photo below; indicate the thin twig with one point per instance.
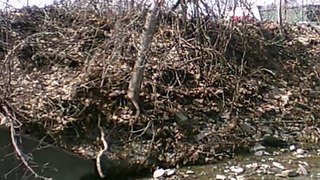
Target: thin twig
{"x": 104, "y": 148}
{"x": 143, "y": 129}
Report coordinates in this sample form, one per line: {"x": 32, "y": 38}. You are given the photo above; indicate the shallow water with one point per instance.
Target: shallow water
{"x": 290, "y": 160}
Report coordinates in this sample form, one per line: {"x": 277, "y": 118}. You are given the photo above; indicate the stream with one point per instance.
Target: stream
{"x": 294, "y": 162}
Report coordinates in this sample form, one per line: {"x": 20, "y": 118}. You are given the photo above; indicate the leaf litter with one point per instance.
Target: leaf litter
{"x": 204, "y": 96}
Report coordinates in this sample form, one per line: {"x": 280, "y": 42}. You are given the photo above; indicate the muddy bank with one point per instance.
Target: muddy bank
{"x": 204, "y": 95}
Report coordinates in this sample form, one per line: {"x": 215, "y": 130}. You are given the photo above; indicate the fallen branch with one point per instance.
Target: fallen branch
{"x": 104, "y": 148}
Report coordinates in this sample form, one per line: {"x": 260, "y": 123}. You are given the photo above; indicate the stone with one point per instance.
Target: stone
{"x": 220, "y": 177}
{"x": 278, "y": 165}
{"x": 252, "y": 166}
{"x": 240, "y": 177}
{"x": 293, "y": 173}
{"x": 170, "y": 172}
{"x": 258, "y": 147}
{"x": 288, "y": 173}
{"x": 272, "y": 141}
{"x": 182, "y": 117}
{"x": 299, "y": 151}
{"x": 302, "y": 170}
{"x": 304, "y": 163}
{"x": 292, "y": 147}
{"x": 158, "y": 173}
{"x": 237, "y": 169}
{"x": 258, "y": 153}
{"x": 266, "y": 153}
{"x": 190, "y": 172}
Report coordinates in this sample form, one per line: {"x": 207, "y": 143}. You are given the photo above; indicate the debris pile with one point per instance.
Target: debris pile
{"x": 206, "y": 92}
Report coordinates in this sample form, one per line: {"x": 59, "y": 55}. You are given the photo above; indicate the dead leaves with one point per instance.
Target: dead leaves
{"x": 201, "y": 97}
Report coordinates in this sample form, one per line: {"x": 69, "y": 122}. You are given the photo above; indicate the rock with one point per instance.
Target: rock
{"x": 270, "y": 172}
{"x": 252, "y": 166}
{"x": 262, "y": 171}
{"x": 186, "y": 176}
{"x": 300, "y": 156}
{"x": 265, "y": 166}
{"x": 288, "y": 173}
{"x": 282, "y": 150}
{"x": 158, "y": 173}
{"x": 237, "y": 169}
{"x": 293, "y": 174}
{"x": 292, "y": 147}
{"x": 220, "y": 177}
{"x": 303, "y": 163}
{"x": 258, "y": 153}
{"x": 258, "y": 147}
{"x": 278, "y": 165}
{"x": 200, "y": 136}
{"x": 182, "y": 117}
{"x": 276, "y": 153}
{"x": 190, "y": 172}
{"x": 272, "y": 141}
{"x": 299, "y": 151}
{"x": 259, "y": 171}
{"x": 302, "y": 170}
{"x": 170, "y": 172}
{"x": 266, "y": 153}
{"x": 240, "y": 178}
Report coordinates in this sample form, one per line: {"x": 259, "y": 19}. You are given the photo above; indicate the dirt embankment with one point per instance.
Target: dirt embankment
{"x": 206, "y": 92}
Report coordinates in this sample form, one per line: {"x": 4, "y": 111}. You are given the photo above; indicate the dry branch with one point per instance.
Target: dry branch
{"x": 222, "y": 73}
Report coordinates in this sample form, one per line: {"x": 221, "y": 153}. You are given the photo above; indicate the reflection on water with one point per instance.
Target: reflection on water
{"x": 265, "y": 167}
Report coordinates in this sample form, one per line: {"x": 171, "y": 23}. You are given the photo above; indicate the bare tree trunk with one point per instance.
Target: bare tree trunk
{"x": 184, "y": 10}
{"x": 209, "y": 9}
{"x": 138, "y": 69}
{"x": 279, "y": 9}
{"x": 285, "y": 9}
{"x": 197, "y": 16}
{"x": 184, "y": 13}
